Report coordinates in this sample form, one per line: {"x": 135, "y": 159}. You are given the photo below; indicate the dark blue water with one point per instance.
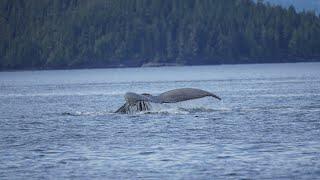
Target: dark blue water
{"x": 60, "y": 124}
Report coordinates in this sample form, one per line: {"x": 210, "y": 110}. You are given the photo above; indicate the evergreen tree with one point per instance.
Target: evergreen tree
{"x": 99, "y": 33}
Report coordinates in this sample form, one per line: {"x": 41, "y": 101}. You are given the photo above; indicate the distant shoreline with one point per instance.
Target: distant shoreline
{"x": 151, "y": 65}
{"x": 117, "y": 34}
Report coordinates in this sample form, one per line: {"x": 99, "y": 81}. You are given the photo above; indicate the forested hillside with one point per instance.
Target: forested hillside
{"x": 102, "y": 33}
{"x": 301, "y": 5}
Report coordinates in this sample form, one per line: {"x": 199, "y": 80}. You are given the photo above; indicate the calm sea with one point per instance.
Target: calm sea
{"x": 60, "y": 124}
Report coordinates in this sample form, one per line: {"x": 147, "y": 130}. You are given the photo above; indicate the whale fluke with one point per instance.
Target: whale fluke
{"x": 141, "y": 102}
{"x": 184, "y": 94}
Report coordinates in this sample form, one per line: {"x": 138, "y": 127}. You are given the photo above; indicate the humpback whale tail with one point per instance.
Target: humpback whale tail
{"x": 184, "y": 94}
{"x": 130, "y": 108}
{"x": 141, "y": 102}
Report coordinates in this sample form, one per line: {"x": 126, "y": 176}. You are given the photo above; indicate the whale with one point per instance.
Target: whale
{"x": 135, "y": 102}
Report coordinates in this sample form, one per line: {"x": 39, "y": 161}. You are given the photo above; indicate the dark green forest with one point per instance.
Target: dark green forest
{"x": 41, "y": 34}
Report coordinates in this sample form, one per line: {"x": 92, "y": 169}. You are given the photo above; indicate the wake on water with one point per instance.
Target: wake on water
{"x": 188, "y": 107}
{"x": 204, "y": 105}
{"x": 184, "y": 110}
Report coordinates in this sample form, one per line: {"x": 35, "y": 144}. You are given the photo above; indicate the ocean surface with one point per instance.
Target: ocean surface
{"x": 60, "y": 124}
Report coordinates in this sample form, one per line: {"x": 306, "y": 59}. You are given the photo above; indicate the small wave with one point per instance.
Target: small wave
{"x": 147, "y": 153}
{"x": 165, "y": 111}
{"x": 57, "y": 94}
{"x": 79, "y": 113}
{"x": 182, "y": 111}
{"x": 176, "y": 110}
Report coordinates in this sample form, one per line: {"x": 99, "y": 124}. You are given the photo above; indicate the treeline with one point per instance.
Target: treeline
{"x": 100, "y": 33}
